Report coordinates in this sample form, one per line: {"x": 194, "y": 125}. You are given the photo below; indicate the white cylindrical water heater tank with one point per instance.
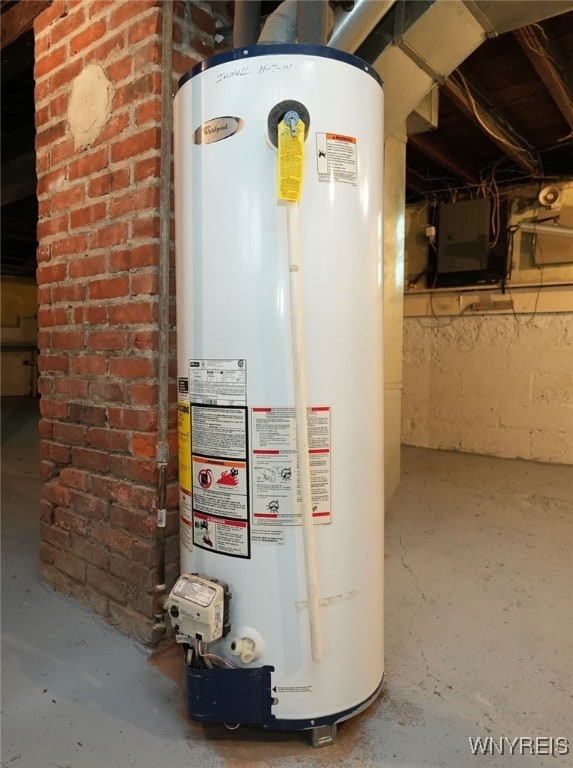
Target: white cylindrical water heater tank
{"x": 281, "y": 664}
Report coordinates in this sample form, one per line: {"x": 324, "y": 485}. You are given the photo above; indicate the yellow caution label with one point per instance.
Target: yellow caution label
{"x": 290, "y": 161}
{"x": 184, "y": 434}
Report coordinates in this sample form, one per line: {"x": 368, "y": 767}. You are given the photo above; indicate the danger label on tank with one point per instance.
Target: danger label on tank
{"x": 228, "y": 537}
{"x": 275, "y": 473}
{"x": 336, "y": 158}
{"x": 220, "y": 479}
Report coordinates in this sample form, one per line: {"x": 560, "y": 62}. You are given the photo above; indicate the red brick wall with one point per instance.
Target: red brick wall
{"x": 98, "y": 277}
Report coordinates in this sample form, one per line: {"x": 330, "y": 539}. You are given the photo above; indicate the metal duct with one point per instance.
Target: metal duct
{"x": 439, "y": 41}
{"x": 352, "y": 28}
{"x": 415, "y": 43}
{"x": 497, "y": 18}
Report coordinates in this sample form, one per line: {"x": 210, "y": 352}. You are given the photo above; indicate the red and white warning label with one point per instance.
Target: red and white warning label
{"x": 275, "y": 486}
{"x": 220, "y": 487}
{"x": 336, "y": 158}
{"x": 220, "y": 479}
{"x": 229, "y": 537}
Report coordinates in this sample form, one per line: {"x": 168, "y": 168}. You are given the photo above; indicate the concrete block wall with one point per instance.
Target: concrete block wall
{"x": 496, "y": 385}
{"x": 98, "y": 120}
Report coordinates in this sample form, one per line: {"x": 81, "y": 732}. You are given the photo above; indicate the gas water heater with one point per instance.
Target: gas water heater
{"x": 278, "y": 212}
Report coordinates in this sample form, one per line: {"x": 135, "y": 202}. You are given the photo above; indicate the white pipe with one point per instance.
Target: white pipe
{"x": 301, "y": 406}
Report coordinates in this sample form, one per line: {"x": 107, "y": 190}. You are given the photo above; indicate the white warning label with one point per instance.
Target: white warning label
{"x": 268, "y": 536}
{"x": 303, "y": 688}
{"x": 275, "y": 473}
{"x": 219, "y": 431}
{"x": 336, "y": 158}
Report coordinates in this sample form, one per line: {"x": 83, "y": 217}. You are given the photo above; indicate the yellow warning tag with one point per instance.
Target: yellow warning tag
{"x": 184, "y": 433}
{"x": 290, "y": 161}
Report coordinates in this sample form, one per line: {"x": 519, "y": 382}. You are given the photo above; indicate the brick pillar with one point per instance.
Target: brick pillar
{"x": 98, "y": 113}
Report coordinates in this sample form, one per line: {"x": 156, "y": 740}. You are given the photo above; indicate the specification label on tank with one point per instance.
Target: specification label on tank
{"x": 220, "y": 479}
{"x": 218, "y": 382}
{"x": 276, "y": 491}
{"x": 336, "y": 158}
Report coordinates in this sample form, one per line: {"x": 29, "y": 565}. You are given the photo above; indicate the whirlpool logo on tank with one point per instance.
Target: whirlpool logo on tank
{"x": 217, "y": 128}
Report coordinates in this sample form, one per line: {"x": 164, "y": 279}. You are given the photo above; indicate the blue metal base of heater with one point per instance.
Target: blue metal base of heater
{"x": 245, "y": 697}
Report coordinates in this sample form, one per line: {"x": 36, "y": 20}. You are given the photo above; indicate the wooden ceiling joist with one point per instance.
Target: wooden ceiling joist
{"x": 465, "y": 99}
{"x": 19, "y": 19}
{"x": 441, "y": 158}
{"x": 533, "y": 45}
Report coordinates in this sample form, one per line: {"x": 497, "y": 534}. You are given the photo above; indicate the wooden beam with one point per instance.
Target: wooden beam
{"x": 469, "y": 103}
{"x": 534, "y": 47}
{"x": 441, "y": 158}
{"x": 19, "y": 19}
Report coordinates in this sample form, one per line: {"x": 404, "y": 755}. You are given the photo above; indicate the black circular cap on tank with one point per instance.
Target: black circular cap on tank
{"x": 277, "y": 114}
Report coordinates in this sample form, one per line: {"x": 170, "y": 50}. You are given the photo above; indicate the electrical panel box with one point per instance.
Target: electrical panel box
{"x": 463, "y": 235}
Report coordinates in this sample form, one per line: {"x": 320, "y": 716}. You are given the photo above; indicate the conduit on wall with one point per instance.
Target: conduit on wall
{"x": 162, "y": 453}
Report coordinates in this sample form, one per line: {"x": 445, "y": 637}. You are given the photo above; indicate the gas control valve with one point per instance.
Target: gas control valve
{"x": 199, "y": 608}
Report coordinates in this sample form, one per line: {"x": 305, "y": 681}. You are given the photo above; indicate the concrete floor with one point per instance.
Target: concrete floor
{"x": 479, "y": 633}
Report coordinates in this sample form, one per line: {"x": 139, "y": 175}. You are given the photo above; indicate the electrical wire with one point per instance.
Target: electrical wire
{"x": 483, "y": 120}
{"x": 536, "y": 47}
{"x": 219, "y": 659}
{"x": 198, "y": 645}
{"x": 433, "y": 195}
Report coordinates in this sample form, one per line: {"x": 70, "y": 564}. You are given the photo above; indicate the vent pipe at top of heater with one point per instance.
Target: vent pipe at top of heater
{"x": 296, "y": 21}
{"x": 246, "y": 23}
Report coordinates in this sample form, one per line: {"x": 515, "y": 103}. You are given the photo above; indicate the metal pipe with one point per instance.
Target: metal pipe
{"x": 545, "y": 229}
{"x": 312, "y": 22}
{"x": 162, "y": 453}
{"x": 246, "y": 23}
{"x": 351, "y": 29}
{"x": 280, "y": 26}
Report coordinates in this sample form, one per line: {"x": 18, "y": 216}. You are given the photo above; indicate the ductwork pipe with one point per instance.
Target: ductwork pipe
{"x": 351, "y": 29}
